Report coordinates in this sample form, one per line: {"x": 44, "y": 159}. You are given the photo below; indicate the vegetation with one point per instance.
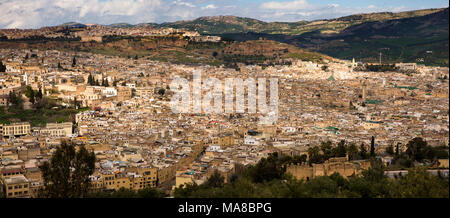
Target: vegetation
{"x": 46, "y": 110}
{"x": 380, "y": 68}
{"x": 418, "y": 152}
{"x": 232, "y": 24}
{"x": 422, "y": 39}
{"x": 66, "y": 174}
{"x": 2, "y": 67}
{"x": 418, "y": 183}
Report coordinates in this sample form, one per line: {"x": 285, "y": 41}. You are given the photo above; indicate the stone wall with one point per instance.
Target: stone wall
{"x": 336, "y": 165}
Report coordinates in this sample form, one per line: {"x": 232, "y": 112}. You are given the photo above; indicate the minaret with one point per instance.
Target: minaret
{"x": 364, "y": 91}
{"x": 25, "y": 78}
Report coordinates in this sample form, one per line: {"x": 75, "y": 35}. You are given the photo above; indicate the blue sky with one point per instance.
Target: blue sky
{"x": 38, "y": 13}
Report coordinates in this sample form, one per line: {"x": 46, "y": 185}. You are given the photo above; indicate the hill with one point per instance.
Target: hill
{"x": 233, "y": 24}
{"x": 421, "y": 39}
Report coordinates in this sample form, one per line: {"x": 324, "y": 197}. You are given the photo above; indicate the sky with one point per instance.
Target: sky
{"x": 38, "y": 13}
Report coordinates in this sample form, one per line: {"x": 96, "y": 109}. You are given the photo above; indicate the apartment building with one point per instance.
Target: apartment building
{"x": 15, "y": 129}
{"x": 16, "y": 187}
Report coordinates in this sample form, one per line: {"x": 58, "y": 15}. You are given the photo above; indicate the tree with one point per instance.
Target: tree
{"x": 397, "y": 150}
{"x": 419, "y": 183}
{"x": 416, "y": 149}
{"x": 105, "y": 83}
{"x": 76, "y": 104}
{"x": 32, "y": 98}
{"x": 372, "y": 147}
{"x": 352, "y": 151}
{"x": 74, "y": 61}
{"x": 39, "y": 94}
{"x": 314, "y": 155}
{"x": 327, "y": 149}
{"x": 215, "y": 180}
{"x": 66, "y": 174}
{"x": 28, "y": 91}
{"x": 362, "y": 151}
{"x": 91, "y": 80}
{"x": 390, "y": 150}
{"x": 2, "y": 67}
{"x": 161, "y": 91}
{"x": 341, "y": 149}
{"x": 13, "y": 98}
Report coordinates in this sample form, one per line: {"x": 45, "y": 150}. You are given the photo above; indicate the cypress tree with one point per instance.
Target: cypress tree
{"x": 372, "y": 147}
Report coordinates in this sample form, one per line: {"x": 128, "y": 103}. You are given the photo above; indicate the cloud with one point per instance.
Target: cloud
{"x": 210, "y": 6}
{"x": 38, "y": 13}
{"x": 182, "y": 3}
{"x": 293, "y": 5}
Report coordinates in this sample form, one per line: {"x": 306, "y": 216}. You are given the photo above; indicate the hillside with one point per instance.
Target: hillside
{"x": 232, "y": 24}
{"x": 176, "y": 49}
{"x": 422, "y": 39}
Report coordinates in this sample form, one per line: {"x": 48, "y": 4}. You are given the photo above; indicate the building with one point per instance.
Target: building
{"x": 144, "y": 91}
{"x": 406, "y": 66}
{"x": 123, "y": 93}
{"x": 16, "y": 187}
{"x": 15, "y": 129}
{"x": 57, "y": 129}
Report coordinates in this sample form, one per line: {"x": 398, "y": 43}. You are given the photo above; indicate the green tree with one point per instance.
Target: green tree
{"x": 39, "y": 94}
{"x": 314, "y": 155}
{"x": 397, "y": 150}
{"x": 32, "y": 98}
{"x": 74, "y": 61}
{"x": 327, "y": 149}
{"x": 2, "y": 67}
{"x": 363, "y": 151}
{"x": 352, "y": 152}
{"x": 92, "y": 81}
{"x": 390, "y": 150}
{"x": 341, "y": 149}
{"x": 161, "y": 91}
{"x": 419, "y": 183}
{"x": 215, "y": 180}
{"x": 14, "y": 99}
{"x": 105, "y": 82}
{"x": 416, "y": 149}
{"x": 372, "y": 147}
{"x": 28, "y": 91}
{"x": 66, "y": 174}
